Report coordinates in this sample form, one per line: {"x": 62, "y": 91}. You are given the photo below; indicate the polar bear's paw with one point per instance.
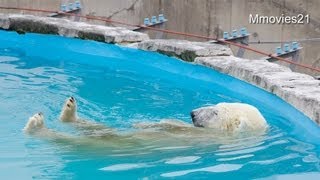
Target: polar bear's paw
{"x": 69, "y": 110}
{"x": 35, "y": 123}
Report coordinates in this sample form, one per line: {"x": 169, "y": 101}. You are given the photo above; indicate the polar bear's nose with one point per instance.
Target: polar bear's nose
{"x": 40, "y": 113}
{"x": 192, "y": 116}
{"x": 195, "y": 119}
{"x": 71, "y": 100}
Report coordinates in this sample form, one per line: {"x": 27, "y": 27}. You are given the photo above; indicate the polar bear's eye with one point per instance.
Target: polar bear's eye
{"x": 68, "y": 105}
{"x": 71, "y": 100}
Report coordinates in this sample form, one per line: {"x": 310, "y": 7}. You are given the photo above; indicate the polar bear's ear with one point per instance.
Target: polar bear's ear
{"x": 241, "y": 123}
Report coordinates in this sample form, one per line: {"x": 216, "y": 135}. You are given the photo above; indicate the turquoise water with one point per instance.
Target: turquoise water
{"x": 118, "y": 87}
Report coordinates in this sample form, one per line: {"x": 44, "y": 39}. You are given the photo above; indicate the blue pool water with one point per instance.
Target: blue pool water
{"x": 118, "y": 87}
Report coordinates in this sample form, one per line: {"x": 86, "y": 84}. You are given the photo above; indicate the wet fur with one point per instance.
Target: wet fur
{"x": 166, "y": 132}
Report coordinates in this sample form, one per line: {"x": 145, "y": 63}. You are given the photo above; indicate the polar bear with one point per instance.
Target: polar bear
{"x": 229, "y": 117}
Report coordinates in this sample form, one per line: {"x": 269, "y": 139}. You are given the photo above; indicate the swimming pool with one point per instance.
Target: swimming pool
{"x": 119, "y": 86}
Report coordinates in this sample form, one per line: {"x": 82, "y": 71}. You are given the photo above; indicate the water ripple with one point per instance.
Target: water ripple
{"x": 182, "y": 160}
{"x": 124, "y": 167}
{"x": 276, "y": 160}
{"x": 252, "y": 150}
{"x": 214, "y": 169}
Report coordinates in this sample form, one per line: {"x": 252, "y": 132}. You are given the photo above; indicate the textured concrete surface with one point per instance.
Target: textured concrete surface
{"x": 300, "y": 90}
{"x": 64, "y": 27}
{"x": 185, "y": 50}
{"x": 207, "y": 17}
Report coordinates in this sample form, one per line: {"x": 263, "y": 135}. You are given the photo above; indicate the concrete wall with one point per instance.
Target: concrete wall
{"x": 208, "y": 17}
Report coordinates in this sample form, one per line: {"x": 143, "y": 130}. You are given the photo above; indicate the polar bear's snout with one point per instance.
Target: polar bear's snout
{"x": 201, "y": 115}
{"x": 195, "y": 120}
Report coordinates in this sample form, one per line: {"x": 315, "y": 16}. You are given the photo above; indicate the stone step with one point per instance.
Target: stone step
{"x": 185, "y": 50}
{"x": 64, "y": 27}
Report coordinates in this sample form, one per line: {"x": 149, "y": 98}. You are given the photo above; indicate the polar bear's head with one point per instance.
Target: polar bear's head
{"x": 229, "y": 117}
{"x": 35, "y": 123}
{"x": 69, "y": 110}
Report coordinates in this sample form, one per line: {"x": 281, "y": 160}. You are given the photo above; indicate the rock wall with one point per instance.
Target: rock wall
{"x": 64, "y": 27}
{"x": 183, "y": 49}
{"x": 208, "y": 17}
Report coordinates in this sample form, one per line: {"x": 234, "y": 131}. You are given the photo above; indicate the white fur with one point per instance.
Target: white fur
{"x": 232, "y": 117}
{"x": 164, "y": 124}
{"x": 36, "y": 127}
{"x": 69, "y": 114}
{"x": 69, "y": 110}
{"x": 34, "y": 124}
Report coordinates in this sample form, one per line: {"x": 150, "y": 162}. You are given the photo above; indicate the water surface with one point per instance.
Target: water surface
{"x": 118, "y": 87}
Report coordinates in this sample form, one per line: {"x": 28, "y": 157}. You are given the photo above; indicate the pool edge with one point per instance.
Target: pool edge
{"x": 300, "y": 90}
